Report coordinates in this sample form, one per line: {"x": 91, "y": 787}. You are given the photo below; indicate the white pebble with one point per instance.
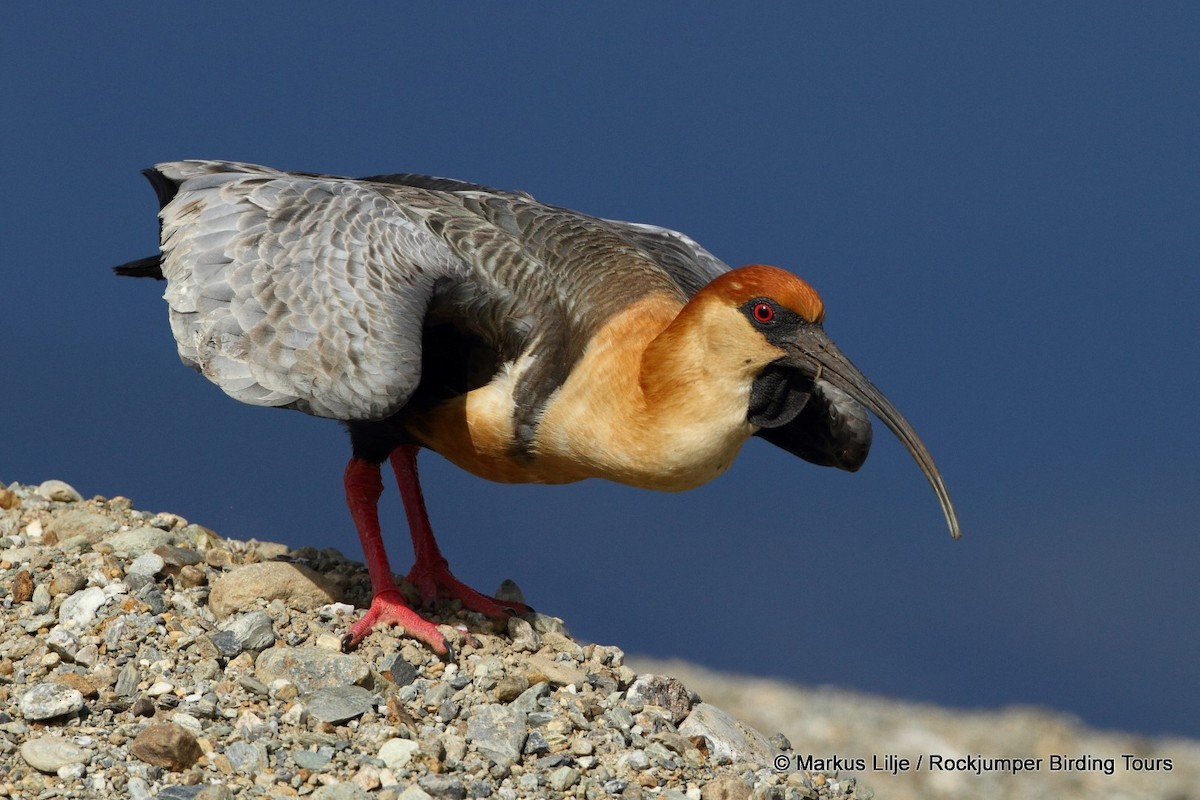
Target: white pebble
{"x": 58, "y": 490}
{"x": 79, "y": 610}
{"x": 397, "y": 753}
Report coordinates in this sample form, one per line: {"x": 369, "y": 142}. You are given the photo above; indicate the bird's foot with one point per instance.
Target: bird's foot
{"x": 388, "y": 607}
{"x": 434, "y": 581}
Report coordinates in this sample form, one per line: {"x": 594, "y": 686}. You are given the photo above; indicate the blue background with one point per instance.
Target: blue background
{"x": 999, "y": 206}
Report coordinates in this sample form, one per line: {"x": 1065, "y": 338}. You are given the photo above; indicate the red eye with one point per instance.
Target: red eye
{"x": 764, "y": 312}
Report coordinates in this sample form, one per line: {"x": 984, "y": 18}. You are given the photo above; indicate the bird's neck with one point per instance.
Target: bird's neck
{"x": 659, "y": 399}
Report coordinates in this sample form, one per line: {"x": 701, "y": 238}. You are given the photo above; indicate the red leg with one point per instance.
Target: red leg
{"x": 431, "y": 573}
{"x": 363, "y": 488}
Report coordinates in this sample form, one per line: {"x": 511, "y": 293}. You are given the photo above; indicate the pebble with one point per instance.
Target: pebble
{"x": 87, "y": 524}
{"x": 21, "y": 589}
{"x": 246, "y": 757}
{"x": 49, "y": 700}
{"x": 400, "y": 672}
{"x": 254, "y": 631}
{"x": 663, "y": 691}
{"x": 397, "y": 753}
{"x": 59, "y": 491}
{"x": 49, "y": 754}
{"x": 296, "y": 585}
{"x": 498, "y": 732}
{"x": 524, "y": 637}
{"x": 146, "y": 564}
{"x": 414, "y": 792}
{"x": 141, "y": 540}
{"x": 727, "y": 738}
{"x": 63, "y": 641}
{"x": 226, "y": 644}
{"x": 447, "y": 786}
{"x": 340, "y": 791}
{"x": 8, "y": 499}
{"x": 339, "y": 704}
{"x": 314, "y": 760}
{"x": 311, "y": 668}
{"x": 79, "y": 610}
{"x": 167, "y": 745}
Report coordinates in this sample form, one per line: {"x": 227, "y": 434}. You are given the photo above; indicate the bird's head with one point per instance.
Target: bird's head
{"x": 805, "y": 396}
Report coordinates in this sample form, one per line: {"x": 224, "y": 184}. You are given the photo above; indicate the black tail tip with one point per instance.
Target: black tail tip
{"x": 149, "y": 267}
{"x": 164, "y": 187}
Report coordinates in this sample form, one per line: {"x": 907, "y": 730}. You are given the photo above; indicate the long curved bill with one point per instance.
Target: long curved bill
{"x": 818, "y": 357}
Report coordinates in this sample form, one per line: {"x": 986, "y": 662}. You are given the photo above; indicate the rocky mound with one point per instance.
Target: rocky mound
{"x": 146, "y": 657}
{"x": 143, "y": 656}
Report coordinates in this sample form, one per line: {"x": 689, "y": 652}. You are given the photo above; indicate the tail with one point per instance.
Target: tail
{"x": 150, "y": 266}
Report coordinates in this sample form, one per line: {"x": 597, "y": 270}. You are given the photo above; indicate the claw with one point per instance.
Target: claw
{"x": 435, "y": 581}
{"x": 389, "y": 608}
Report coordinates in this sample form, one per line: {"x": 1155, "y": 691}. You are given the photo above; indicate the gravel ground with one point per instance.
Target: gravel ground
{"x": 825, "y": 723}
{"x": 146, "y": 657}
{"x": 143, "y": 657}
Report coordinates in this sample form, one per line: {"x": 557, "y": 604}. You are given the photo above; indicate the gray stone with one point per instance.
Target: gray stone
{"x": 254, "y": 686}
{"x": 665, "y": 692}
{"x": 137, "y": 541}
{"x": 726, "y": 736}
{"x": 49, "y": 700}
{"x": 71, "y": 772}
{"x": 176, "y": 557}
{"x": 87, "y": 655}
{"x": 311, "y": 668}
{"x": 63, "y": 641}
{"x": 226, "y": 643}
{"x": 544, "y": 623}
{"x": 127, "y": 680}
{"x": 154, "y": 598}
{"x": 51, "y": 753}
{"x": 201, "y": 791}
{"x": 340, "y": 703}
{"x": 138, "y": 789}
{"x": 523, "y": 636}
{"x": 527, "y": 701}
{"x": 314, "y": 760}
{"x": 535, "y": 743}
{"x": 498, "y": 732}
{"x": 137, "y": 581}
{"x": 443, "y": 786}
{"x": 254, "y": 631}
{"x": 400, "y": 671}
{"x": 562, "y": 778}
{"x": 246, "y": 757}
{"x": 79, "y": 610}
{"x": 634, "y": 760}
{"x": 340, "y": 791}
{"x": 146, "y": 564}
{"x": 414, "y": 792}
{"x": 60, "y": 491}
{"x": 41, "y": 598}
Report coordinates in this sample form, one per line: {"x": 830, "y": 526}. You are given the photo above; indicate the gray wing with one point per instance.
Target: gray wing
{"x": 689, "y": 265}
{"x": 295, "y": 290}
{"x": 312, "y": 291}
